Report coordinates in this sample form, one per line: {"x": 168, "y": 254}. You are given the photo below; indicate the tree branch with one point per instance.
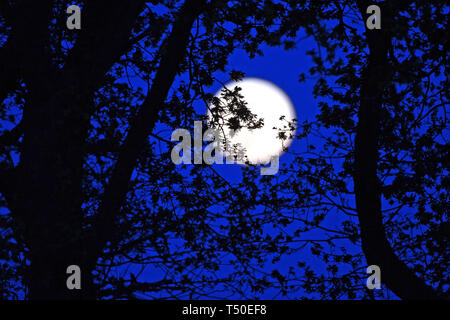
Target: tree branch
{"x": 104, "y": 37}
{"x": 115, "y": 194}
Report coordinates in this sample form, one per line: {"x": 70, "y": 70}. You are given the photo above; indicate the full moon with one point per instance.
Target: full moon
{"x": 266, "y": 101}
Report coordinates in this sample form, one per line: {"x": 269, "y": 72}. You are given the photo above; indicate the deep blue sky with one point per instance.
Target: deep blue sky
{"x": 282, "y": 67}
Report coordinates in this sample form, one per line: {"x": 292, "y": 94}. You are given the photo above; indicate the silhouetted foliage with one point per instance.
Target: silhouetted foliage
{"x": 86, "y": 176}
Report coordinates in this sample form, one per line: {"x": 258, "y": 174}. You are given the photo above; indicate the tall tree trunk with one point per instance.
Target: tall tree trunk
{"x": 376, "y": 247}
{"x": 52, "y": 171}
{"x": 47, "y": 199}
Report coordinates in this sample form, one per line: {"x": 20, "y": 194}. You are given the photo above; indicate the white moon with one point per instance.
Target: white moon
{"x": 268, "y": 102}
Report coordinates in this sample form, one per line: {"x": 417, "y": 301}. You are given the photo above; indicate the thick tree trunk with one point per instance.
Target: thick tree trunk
{"x": 47, "y": 196}
{"x": 51, "y": 171}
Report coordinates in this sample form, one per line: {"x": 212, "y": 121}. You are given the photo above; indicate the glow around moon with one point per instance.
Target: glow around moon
{"x": 270, "y": 103}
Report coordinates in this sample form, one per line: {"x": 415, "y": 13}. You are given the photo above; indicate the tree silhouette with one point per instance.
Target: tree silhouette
{"x": 383, "y": 120}
{"x": 86, "y": 181}
{"x": 72, "y": 197}
{"x": 368, "y": 191}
